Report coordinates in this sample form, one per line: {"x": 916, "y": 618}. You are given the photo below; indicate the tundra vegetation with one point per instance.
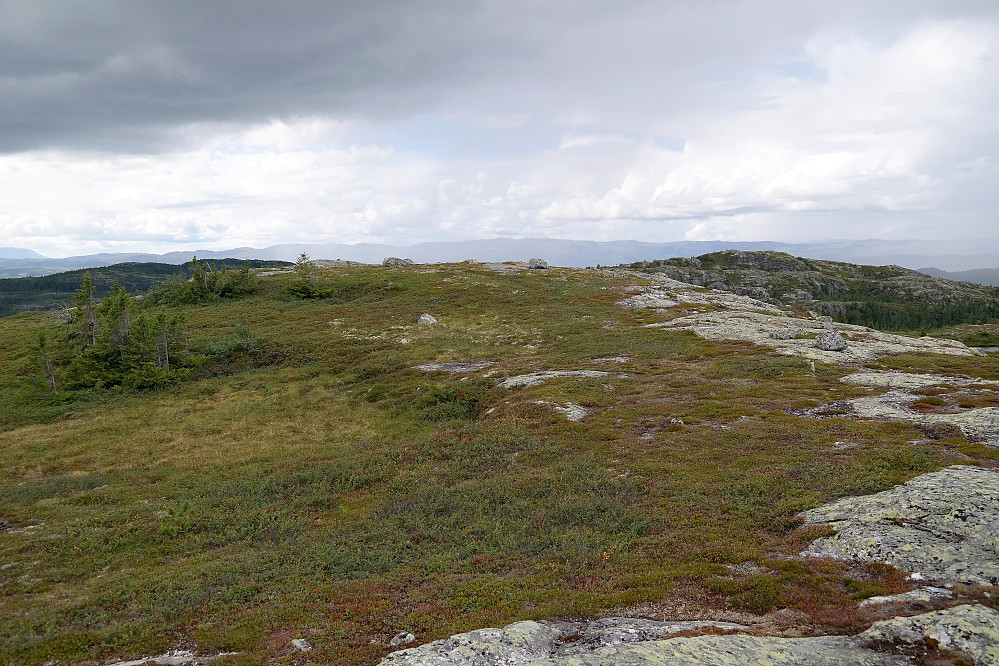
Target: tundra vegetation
{"x": 293, "y": 474}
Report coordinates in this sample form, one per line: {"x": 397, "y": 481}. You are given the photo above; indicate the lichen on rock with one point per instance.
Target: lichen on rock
{"x": 972, "y": 629}
{"x": 944, "y": 525}
{"x": 535, "y": 378}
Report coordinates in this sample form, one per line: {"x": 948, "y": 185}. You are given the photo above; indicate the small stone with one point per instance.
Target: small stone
{"x": 783, "y": 333}
{"x": 427, "y": 320}
{"x": 402, "y": 638}
{"x": 396, "y": 262}
{"x": 830, "y": 341}
{"x": 301, "y": 644}
{"x": 538, "y": 264}
{"x": 845, "y": 445}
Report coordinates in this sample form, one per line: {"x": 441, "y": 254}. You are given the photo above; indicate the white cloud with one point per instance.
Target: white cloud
{"x": 873, "y": 136}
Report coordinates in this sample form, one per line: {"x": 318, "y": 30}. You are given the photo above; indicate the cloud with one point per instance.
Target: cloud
{"x": 249, "y": 123}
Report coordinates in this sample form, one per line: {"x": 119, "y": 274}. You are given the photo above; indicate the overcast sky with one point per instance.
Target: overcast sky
{"x": 182, "y": 124}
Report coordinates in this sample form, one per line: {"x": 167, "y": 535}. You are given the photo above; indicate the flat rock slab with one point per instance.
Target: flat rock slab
{"x": 175, "y": 658}
{"x": 570, "y": 410}
{"x": 671, "y": 293}
{"x": 536, "y": 378}
{"x": 863, "y": 344}
{"x": 978, "y": 424}
{"x": 455, "y": 366}
{"x": 924, "y": 595}
{"x": 906, "y": 380}
{"x": 943, "y": 525}
{"x": 636, "y": 642}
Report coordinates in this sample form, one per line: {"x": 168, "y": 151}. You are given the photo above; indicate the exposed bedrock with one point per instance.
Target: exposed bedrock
{"x": 971, "y": 629}
{"x": 943, "y": 525}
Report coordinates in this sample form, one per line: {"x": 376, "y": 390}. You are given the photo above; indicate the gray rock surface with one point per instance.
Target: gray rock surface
{"x": 570, "y": 410}
{"x": 517, "y": 643}
{"x": 830, "y": 341}
{"x": 635, "y": 642}
{"x": 535, "y": 378}
{"x": 396, "y": 262}
{"x": 923, "y": 595}
{"x": 896, "y": 404}
{"x": 427, "y": 319}
{"x": 402, "y": 638}
{"x": 972, "y": 629}
{"x": 943, "y": 525}
{"x": 728, "y": 316}
{"x": 301, "y": 645}
{"x": 619, "y": 630}
{"x": 783, "y": 333}
{"x": 538, "y": 264}
{"x": 455, "y": 366}
{"x": 175, "y": 658}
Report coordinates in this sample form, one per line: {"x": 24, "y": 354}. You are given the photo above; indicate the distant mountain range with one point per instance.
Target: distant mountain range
{"x": 19, "y": 253}
{"x": 989, "y": 276}
{"x": 953, "y": 255}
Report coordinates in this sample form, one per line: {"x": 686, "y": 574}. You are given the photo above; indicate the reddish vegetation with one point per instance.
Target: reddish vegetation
{"x": 924, "y": 408}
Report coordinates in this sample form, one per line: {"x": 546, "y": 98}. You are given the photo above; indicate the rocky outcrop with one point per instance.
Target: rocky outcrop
{"x": 570, "y": 410}
{"x": 864, "y": 344}
{"x": 396, "y": 262}
{"x": 669, "y": 293}
{"x": 946, "y": 418}
{"x": 538, "y": 265}
{"x": 970, "y": 629}
{"x": 827, "y": 285}
{"x": 728, "y": 316}
{"x": 943, "y": 526}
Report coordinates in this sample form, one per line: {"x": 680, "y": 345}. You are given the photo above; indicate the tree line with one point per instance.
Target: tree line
{"x": 119, "y": 341}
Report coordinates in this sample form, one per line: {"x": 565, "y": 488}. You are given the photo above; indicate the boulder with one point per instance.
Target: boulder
{"x": 402, "y": 638}
{"x": 830, "y": 341}
{"x": 538, "y": 264}
{"x": 427, "y": 319}
{"x": 784, "y": 333}
{"x": 396, "y": 262}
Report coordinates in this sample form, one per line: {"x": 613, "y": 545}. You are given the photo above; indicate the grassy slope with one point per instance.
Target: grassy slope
{"x": 335, "y": 488}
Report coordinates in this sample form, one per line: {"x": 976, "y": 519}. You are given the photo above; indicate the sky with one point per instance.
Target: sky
{"x": 152, "y": 126}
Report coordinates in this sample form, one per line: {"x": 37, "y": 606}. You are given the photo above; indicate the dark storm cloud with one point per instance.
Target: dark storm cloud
{"x": 132, "y": 76}
{"x": 118, "y": 75}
